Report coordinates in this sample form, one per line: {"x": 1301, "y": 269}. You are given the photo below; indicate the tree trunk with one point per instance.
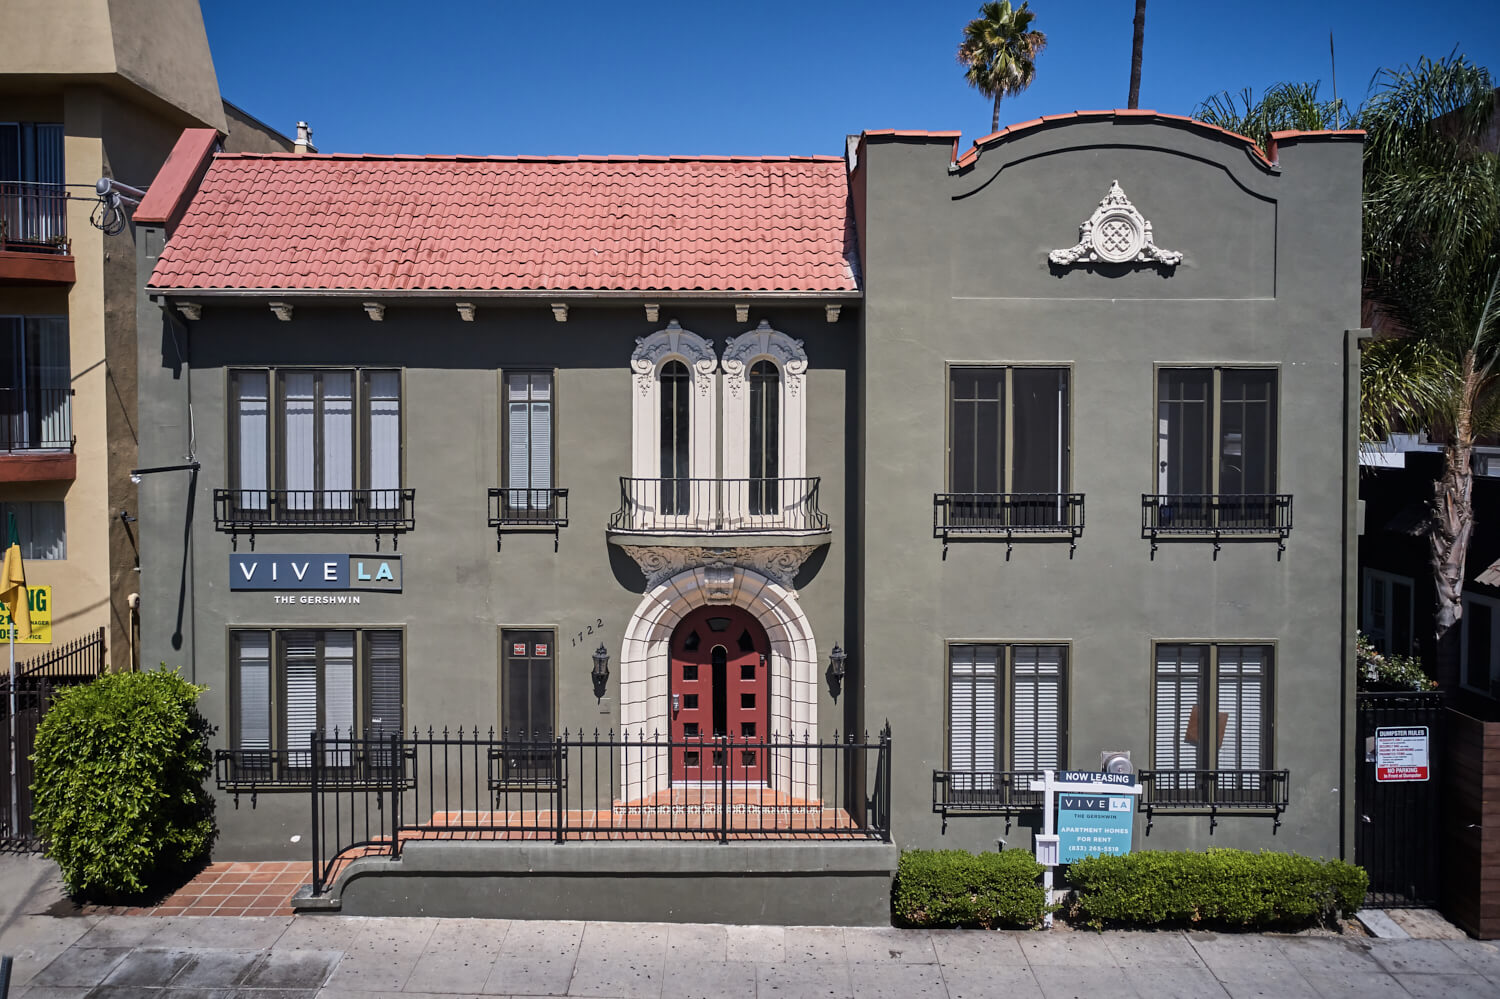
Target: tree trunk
{"x": 1452, "y": 527}
{"x": 995, "y": 118}
{"x": 1135, "y": 54}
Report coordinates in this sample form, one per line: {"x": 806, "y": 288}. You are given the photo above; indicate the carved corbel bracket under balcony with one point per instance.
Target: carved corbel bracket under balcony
{"x": 779, "y": 563}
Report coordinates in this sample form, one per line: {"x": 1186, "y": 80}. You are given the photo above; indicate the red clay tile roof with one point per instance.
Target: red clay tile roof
{"x": 282, "y": 221}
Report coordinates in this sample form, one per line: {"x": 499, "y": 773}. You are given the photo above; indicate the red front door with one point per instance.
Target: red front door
{"x": 719, "y": 697}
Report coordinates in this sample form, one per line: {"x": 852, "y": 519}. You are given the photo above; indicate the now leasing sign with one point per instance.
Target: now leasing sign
{"x": 315, "y": 572}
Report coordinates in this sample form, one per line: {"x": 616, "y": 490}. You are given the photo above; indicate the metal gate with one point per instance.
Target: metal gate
{"x": 1396, "y": 835}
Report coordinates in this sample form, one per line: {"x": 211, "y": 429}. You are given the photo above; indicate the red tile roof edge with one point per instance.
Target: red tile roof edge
{"x": 1316, "y": 133}
{"x": 984, "y": 142}
{"x": 170, "y": 191}
{"x": 528, "y": 158}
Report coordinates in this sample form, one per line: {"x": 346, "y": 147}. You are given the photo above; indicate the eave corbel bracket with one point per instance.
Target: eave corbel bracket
{"x": 560, "y": 311}
{"x": 191, "y": 310}
{"x": 465, "y": 311}
{"x": 375, "y": 310}
{"x": 283, "y": 311}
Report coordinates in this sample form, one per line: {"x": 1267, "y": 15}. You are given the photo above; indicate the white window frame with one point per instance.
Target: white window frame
{"x": 741, "y": 355}
{"x": 1387, "y": 581}
{"x": 651, "y": 354}
{"x": 1494, "y": 607}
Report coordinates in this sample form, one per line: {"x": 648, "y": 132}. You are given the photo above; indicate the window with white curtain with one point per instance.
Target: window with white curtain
{"x": 319, "y": 436}
{"x": 290, "y": 683}
{"x": 528, "y": 440}
{"x": 1212, "y": 711}
{"x": 1007, "y": 708}
{"x": 40, "y": 526}
{"x": 36, "y": 387}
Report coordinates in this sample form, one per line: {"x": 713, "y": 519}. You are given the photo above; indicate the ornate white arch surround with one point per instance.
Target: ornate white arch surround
{"x": 651, "y": 352}
{"x": 740, "y": 354}
{"x": 793, "y": 667}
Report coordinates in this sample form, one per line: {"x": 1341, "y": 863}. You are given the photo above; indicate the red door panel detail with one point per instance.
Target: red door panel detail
{"x": 719, "y": 697}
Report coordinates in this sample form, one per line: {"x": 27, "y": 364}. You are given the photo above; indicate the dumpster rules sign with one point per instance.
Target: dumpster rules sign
{"x": 1401, "y": 754}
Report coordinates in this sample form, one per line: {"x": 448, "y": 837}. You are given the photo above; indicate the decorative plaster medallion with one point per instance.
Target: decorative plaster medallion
{"x": 1117, "y": 233}
{"x": 650, "y": 350}
{"x": 661, "y": 562}
{"x": 764, "y": 341}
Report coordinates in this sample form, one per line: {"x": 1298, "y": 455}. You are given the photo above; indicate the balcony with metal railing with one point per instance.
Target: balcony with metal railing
{"x": 34, "y": 244}
{"x": 984, "y": 792}
{"x": 36, "y": 434}
{"x": 383, "y": 511}
{"x": 1210, "y": 791}
{"x": 528, "y": 509}
{"x": 708, "y": 508}
{"x": 1008, "y": 517}
{"x": 1216, "y": 517}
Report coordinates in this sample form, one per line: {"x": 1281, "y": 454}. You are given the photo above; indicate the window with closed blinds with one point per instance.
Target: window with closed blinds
{"x": 319, "y": 434}
{"x": 42, "y": 527}
{"x": 1212, "y": 710}
{"x": 1037, "y": 687}
{"x": 528, "y": 446}
{"x": 288, "y": 684}
{"x": 986, "y": 679}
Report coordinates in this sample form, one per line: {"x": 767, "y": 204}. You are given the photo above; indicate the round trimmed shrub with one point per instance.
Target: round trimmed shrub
{"x": 118, "y": 797}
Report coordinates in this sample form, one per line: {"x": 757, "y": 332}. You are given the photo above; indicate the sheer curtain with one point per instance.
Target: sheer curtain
{"x": 300, "y": 457}
{"x": 529, "y": 451}
{"x": 252, "y": 424}
{"x": 338, "y": 439}
{"x": 385, "y": 439}
{"x": 254, "y": 664}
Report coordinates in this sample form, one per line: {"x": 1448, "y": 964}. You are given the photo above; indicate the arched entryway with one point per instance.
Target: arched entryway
{"x": 788, "y": 679}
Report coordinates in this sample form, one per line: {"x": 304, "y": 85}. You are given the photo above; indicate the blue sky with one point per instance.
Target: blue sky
{"x": 767, "y": 78}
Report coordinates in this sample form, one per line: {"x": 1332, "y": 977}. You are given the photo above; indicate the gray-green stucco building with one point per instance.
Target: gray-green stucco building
{"x": 1054, "y": 440}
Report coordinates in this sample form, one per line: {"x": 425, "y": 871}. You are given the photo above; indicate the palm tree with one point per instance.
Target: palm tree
{"x": 999, "y": 52}
{"x": 1136, "y": 44}
{"x": 1432, "y": 276}
{"x": 1283, "y": 106}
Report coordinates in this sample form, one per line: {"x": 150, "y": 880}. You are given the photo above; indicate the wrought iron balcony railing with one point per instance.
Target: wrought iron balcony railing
{"x": 719, "y": 506}
{"x": 1007, "y": 515}
{"x": 1216, "y": 516}
{"x": 385, "y": 511}
{"x": 36, "y": 419}
{"x": 1213, "y": 790}
{"x": 528, "y": 510}
{"x": 984, "y": 792}
{"x": 33, "y": 217}
{"x": 369, "y": 762}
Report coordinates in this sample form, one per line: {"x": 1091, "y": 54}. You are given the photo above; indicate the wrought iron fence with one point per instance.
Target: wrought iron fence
{"x": 251, "y": 510}
{"x": 34, "y": 419}
{"x": 719, "y": 506}
{"x": 372, "y": 794}
{"x": 528, "y": 509}
{"x": 1216, "y": 516}
{"x": 33, "y": 696}
{"x": 82, "y": 657}
{"x": 33, "y": 216}
{"x": 1398, "y": 824}
{"x": 1213, "y": 790}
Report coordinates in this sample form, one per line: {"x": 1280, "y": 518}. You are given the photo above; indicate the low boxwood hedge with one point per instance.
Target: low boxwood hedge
{"x": 956, "y": 888}
{"x": 118, "y": 796}
{"x": 1221, "y": 888}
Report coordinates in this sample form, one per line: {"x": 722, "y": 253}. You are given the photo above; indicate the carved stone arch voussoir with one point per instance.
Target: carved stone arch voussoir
{"x": 787, "y": 353}
{"x": 674, "y": 342}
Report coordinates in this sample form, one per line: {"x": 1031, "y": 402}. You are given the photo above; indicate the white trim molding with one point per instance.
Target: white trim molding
{"x": 740, "y": 355}
{"x": 1117, "y": 233}
{"x": 651, "y": 352}
{"x": 644, "y": 667}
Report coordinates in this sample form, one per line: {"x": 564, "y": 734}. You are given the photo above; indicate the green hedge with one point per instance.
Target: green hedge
{"x": 118, "y": 794}
{"x": 956, "y": 888}
{"x": 1223, "y": 888}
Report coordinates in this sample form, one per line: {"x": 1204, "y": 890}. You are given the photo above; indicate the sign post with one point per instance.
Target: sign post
{"x": 1085, "y": 813}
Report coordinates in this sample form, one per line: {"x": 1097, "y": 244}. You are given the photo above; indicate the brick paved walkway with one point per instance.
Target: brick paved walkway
{"x": 229, "y": 888}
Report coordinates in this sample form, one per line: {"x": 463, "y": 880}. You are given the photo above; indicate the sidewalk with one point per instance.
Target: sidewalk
{"x": 332, "y": 957}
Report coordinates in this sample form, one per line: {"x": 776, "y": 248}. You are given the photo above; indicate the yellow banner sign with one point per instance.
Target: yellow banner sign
{"x": 39, "y": 599}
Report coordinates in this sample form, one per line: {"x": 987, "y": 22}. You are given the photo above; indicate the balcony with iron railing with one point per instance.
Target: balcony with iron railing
{"x": 984, "y": 792}
{"x": 719, "y": 507}
{"x": 1216, "y": 517}
{"x": 1008, "y": 516}
{"x": 34, "y": 244}
{"x": 383, "y": 511}
{"x": 36, "y": 434}
{"x": 526, "y": 510}
{"x": 1196, "y": 791}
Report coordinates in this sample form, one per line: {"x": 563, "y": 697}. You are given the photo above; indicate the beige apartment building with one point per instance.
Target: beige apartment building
{"x": 89, "y": 89}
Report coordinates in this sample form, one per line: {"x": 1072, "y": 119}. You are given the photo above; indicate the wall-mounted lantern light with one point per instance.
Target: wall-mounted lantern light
{"x": 601, "y": 670}
{"x": 836, "y": 660}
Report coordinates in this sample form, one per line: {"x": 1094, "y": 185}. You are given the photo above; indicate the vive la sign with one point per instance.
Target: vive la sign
{"x": 315, "y": 572}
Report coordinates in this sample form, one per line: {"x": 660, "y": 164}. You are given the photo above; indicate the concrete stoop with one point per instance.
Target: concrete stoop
{"x": 844, "y": 884}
